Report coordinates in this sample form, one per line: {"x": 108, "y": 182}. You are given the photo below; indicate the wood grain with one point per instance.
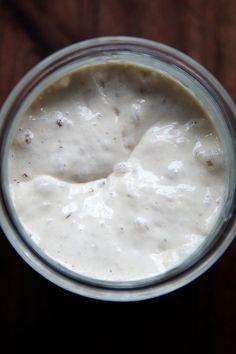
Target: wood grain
{"x": 199, "y": 318}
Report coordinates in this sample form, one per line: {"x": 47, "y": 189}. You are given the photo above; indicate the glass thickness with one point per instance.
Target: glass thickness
{"x": 157, "y": 56}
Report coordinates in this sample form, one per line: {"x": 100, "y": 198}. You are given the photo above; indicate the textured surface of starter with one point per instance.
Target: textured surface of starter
{"x": 117, "y": 172}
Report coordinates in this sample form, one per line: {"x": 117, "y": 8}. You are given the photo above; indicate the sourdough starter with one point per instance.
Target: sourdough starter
{"x": 116, "y": 172}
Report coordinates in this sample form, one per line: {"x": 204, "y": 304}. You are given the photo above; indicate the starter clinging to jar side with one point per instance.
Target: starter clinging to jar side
{"x": 116, "y": 172}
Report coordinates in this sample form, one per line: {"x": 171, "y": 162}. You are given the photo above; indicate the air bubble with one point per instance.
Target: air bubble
{"x": 121, "y": 168}
{"x": 175, "y": 169}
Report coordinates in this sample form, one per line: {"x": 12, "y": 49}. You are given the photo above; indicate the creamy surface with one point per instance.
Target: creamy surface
{"x": 117, "y": 172}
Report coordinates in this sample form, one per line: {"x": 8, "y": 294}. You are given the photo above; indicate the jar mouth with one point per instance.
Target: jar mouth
{"x": 137, "y": 51}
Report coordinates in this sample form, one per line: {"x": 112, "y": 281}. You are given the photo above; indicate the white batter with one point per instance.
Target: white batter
{"x": 117, "y": 173}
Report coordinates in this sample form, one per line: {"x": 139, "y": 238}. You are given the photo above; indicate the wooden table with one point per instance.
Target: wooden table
{"x": 199, "y": 318}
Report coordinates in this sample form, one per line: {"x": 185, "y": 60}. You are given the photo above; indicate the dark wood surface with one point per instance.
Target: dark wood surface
{"x": 35, "y": 315}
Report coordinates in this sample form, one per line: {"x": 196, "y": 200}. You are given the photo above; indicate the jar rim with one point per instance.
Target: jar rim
{"x": 30, "y": 255}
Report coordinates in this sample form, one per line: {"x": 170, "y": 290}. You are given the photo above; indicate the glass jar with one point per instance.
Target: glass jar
{"x": 157, "y": 56}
